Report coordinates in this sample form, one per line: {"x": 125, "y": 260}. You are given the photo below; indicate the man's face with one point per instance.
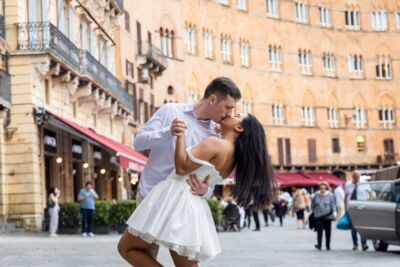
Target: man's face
{"x": 89, "y": 187}
{"x": 221, "y": 109}
{"x": 356, "y": 177}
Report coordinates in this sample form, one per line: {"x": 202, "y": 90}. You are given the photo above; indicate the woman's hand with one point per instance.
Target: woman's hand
{"x": 178, "y": 127}
{"x": 198, "y": 187}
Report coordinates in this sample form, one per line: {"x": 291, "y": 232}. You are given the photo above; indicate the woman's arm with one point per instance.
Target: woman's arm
{"x": 206, "y": 151}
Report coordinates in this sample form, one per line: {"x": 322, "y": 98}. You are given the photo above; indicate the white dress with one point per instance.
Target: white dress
{"x": 170, "y": 215}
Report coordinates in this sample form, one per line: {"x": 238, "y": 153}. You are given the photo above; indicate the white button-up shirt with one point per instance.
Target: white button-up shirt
{"x": 156, "y": 135}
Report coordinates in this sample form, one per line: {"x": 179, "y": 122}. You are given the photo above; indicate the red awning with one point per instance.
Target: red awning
{"x": 323, "y": 176}
{"x": 128, "y": 157}
{"x": 287, "y": 179}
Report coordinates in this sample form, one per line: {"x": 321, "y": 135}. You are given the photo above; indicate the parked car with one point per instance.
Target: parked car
{"x": 374, "y": 210}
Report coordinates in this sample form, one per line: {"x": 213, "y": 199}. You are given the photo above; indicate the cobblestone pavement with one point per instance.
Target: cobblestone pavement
{"x": 272, "y": 246}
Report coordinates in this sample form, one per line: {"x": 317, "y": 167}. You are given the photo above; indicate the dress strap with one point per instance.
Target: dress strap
{"x": 196, "y": 160}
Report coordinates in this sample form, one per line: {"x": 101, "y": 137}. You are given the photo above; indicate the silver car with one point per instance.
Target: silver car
{"x": 374, "y": 209}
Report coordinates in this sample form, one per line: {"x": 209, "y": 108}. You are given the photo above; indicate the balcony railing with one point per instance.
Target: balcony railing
{"x": 154, "y": 54}
{"x": 44, "y": 36}
{"x": 5, "y": 89}
{"x": 2, "y": 27}
{"x": 103, "y": 76}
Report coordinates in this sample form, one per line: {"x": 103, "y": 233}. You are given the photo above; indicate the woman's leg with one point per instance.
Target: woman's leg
{"x": 182, "y": 261}
{"x": 320, "y": 228}
{"x": 328, "y": 231}
{"x": 53, "y": 225}
{"x": 132, "y": 249}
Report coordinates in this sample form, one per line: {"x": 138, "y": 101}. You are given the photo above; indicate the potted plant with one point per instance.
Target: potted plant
{"x": 69, "y": 218}
{"x": 101, "y": 217}
{"x": 215, "y": 211}
{"x": 120, "y": 213}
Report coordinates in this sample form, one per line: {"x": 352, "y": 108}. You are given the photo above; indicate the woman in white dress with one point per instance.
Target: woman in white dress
{"x": 172, "y": 216}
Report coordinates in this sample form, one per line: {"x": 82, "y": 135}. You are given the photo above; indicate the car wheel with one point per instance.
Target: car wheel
{"x": 379, "y": 245}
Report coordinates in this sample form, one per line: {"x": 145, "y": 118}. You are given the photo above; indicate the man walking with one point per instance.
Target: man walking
{"x": 350, "y": 186}
{"x": 339, "y": 197}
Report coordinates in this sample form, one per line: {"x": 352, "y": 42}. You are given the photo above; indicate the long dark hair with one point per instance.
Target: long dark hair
{"x": 255, "y": 180}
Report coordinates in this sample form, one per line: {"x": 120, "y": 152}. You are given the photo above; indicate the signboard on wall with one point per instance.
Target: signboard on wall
{"x": 50, "y": 141}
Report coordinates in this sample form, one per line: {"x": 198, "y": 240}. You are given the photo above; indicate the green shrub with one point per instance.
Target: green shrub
{"x": 121, "y": 211}
{"x": 69, "y": 214}
{"x": 215, "y": 211}
{"x": 101, "y": 214}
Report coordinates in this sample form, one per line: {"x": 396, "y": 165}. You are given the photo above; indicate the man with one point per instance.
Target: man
{"x": 349, "y": 189}
{"x": 198, "y": 121}
{"x": 339, "y": 197}
{"x": 87, "y": 196}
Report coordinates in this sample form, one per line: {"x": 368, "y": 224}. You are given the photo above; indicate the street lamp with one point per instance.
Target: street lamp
{"x": 85, "y": 165}
{"x": 120, "y": 179}
{"x": 103, "y": 171}
{"x": 59, "y": 160}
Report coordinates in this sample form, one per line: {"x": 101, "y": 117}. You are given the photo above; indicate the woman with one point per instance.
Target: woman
{"x": 54, "y": 208}
{"x": 280, "y": 207}
{"x": 323, "y": 206}
{"x": 172, "y": 216}
{"x": 299, "y": 206}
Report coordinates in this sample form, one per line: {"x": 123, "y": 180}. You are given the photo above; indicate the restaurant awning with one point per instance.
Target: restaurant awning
{"x": 128, "y": 157}
{"x": 323, "y": 176}
{"x": 287, "y": 179}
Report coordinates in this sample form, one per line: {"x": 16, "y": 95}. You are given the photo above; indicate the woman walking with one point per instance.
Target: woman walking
{"x": 54, "y": 208}
{"x": 323, "y": 206}
{"x": 280, "y": 207}
{"x": 299, "y": 206}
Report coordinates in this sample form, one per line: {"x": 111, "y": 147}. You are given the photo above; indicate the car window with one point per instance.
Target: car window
{"x": 397, "y": 190}
{"x": 375, "y": 192}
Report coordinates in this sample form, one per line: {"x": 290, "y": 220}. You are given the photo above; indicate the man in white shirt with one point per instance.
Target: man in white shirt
{"x": 349, "y": 189}
{"x": 198, "y": 121}
{"x": 339, "y": 197}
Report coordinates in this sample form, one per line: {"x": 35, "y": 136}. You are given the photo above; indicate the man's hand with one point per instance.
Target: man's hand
{"x": 178, "y": 127}
{"x": 198, "y": 187}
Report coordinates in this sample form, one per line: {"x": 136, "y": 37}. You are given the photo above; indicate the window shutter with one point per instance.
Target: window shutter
{"x": 83, "y": 35}
{"x": 135, "y": 103}
{"x": 71, "y": 24}
{"x": 139, "y": 37}
{"x": 312, "y": 153}
{"x": 280, "y": 151}
{"x": 44, "y": 10}
{"x": 61, "y": 16}
{"x": 288, "y": 152}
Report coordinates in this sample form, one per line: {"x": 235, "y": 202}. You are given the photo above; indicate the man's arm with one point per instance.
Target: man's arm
{"x": 156, "y": 130}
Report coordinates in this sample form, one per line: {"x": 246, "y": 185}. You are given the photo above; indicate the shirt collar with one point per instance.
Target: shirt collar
{"x": 189, "y": 108}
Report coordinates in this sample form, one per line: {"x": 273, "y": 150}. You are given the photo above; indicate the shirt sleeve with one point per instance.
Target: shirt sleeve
{"x": 156, "y": 130}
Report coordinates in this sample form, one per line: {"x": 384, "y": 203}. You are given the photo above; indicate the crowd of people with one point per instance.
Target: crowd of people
{"x": 323, "y": 207}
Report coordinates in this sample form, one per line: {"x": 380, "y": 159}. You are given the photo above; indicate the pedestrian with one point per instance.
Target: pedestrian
{"x": 339, "y": 198}
{"x": 87, "y": 196}
{"x": 299, "y": 206}
{"x": 54, "y": 208}
{"x": 349, "y": 189}
{"x": 280, "y": 207}
{"x": 306, "y": 197}
{"x": 256, "y": 218}
{"x": 269, "y": 212}
{"x": 231, "y": 215}
{"x": 324, "y": 208}
{"x": 247, "y": 217}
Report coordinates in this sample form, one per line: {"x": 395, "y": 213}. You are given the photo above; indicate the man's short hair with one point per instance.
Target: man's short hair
{"x": 222, "y": 87}
{"x": 88, "y": 183}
